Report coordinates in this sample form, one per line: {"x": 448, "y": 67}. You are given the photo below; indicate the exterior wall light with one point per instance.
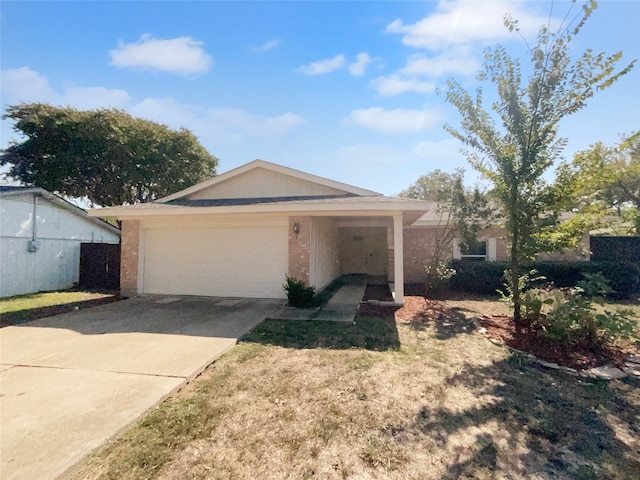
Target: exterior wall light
{"x": 296, "y": 228}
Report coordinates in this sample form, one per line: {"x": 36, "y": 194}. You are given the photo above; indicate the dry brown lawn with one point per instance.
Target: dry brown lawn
{"x": 383, "y": 399}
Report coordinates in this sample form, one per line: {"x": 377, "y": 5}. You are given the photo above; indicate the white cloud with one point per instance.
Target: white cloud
{"x": 213, "y": 126}
{"x": 466, "y": 21}
{"x": 26, "y": 85}
{"x": 392, "y": 121}
{"x": 266, "y": 46}
{"x": 396, "y": 84}
{"x": 182, "y": 55}
{"x": 87, "y": 98}
{"x": 420, "y": 71}
{"x": 451, "y": 61}
{"x": 255, "y": 125}
{"x": 217, "y": 125}
{"x": 321, "y": 67}
{"x": 359, "y": 67}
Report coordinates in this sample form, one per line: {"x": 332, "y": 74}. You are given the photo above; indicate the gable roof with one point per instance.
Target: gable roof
{"x": 10, "y": 191}
{"x": 343, "y": 200}
{"x": 256, "y": 164}
{"x": 347, "y": 205}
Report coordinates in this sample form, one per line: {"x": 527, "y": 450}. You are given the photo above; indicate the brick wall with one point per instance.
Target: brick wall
{"x": 129, "y": 258}
{"x": 419, "y": 244}
{"x": 300, "y": 248}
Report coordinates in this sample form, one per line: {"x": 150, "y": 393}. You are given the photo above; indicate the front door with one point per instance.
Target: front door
{"x": 363, "y": 250}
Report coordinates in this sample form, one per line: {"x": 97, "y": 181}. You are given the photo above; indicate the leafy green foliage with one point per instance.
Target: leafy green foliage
{"x": 106, "y": 155}
{"x": 299, "y": 295}
{"x": 438, "y": 273}
{"x": 605, "y": 180}
{"x": 575, "y": 319}
{"x": 461, "y": 214}
{"x": 514, "y": 144}
{"x": 487, "y": 277}
{"x": 531, "y": 297}
{"x": 484, "y": 278}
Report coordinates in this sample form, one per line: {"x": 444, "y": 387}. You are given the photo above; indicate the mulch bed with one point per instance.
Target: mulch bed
{"x": 418, "y": 309}
{"x": 579, "y": 356}
{"x": 23, "y": 316}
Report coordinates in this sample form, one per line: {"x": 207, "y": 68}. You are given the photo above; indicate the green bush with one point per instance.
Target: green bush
{"x": 298, "y": 294}
{"x": 487, "y": 277}
{"x": 477, "y": 277}
{"x": 623, "y": 278}
{"x": 438, "y": 275}
{"x": 533, "y": 299}
{"x": 573, "y": 319}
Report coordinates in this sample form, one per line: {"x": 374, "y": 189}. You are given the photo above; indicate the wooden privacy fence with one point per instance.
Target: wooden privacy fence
{"x": 100, "y": 265}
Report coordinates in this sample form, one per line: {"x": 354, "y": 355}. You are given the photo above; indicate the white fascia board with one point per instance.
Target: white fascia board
{"x": 274, "y": 168}
{"x": 390, "y": 208}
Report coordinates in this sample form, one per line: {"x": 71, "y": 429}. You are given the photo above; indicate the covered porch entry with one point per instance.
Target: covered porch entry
{"x": 322, "y": 248}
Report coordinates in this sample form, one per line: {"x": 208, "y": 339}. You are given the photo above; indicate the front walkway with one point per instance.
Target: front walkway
{"x": 341, "y": 307}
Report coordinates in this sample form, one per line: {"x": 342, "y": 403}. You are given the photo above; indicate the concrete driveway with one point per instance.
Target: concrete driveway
{"x": 70, "y": 382}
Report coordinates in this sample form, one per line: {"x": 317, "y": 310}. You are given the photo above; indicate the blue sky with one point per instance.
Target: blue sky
{"x": 345, "y": 90}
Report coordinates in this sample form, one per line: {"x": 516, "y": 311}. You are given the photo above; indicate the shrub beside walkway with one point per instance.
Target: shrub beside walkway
{"x": 342, "y": 307}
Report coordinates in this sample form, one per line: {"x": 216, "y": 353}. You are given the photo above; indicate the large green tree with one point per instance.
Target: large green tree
{"x": 605, "y": 180}
{"x": 514, "y": 143}
{"x": 106, "y": 155}
{"x": 460, "y": 213}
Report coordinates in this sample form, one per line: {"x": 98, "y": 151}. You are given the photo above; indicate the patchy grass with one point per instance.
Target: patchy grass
{"x": 372, "y": 334}
{"x": 23, "y": 308}
{"x": 384, "y": 398}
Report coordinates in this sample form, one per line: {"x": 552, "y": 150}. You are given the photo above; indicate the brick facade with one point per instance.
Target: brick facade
{"x": 419, "y": 244}
{"x": 129, "y": 258}
{"x": 300, "y": 248}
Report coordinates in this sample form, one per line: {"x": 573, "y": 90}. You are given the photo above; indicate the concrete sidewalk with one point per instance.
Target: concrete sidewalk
{"x": 69, "y": 383}
{"x": 341, "y": 307}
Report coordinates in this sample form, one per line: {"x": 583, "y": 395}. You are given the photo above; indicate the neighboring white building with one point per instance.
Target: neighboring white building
{"x": 43, "y": 254}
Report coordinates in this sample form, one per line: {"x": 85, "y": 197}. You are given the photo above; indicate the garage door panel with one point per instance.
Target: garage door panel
{"x": 240, "y": 261}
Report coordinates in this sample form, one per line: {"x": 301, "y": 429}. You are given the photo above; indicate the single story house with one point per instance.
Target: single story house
{"x": 40, "y": 237}
{"x": 239, "y": 233}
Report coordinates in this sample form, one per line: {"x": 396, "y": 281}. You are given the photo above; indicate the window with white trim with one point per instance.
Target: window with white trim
{"x": 483, "y": 250}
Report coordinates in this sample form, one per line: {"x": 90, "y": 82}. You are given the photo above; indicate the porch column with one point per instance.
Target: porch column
{"x": 398, "y": 259}
{"x": 129, "y": 253}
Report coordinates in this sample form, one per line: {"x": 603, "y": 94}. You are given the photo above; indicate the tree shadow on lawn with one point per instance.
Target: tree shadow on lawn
{"x": 422, "y": 313}
{"x": 370, "y": 333}
{"x": 533, "y": 422}
{"x": 374, "y": 329}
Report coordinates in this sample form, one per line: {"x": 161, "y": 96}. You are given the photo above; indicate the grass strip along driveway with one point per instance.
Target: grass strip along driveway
{"x": 381, "y": 399}
{"x": 24, "y": 308}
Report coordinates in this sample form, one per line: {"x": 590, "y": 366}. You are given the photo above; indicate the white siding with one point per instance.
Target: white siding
{"x": 55, "y": 264}
{"x": 325, "y": 252}
{"x": 216, "y": 257}
{"x": 16, "y": 213}
{"x": 262, "y": 183}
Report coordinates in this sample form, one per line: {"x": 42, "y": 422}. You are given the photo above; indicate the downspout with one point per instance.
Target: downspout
{"x": 32, "y": 246}
{"x": 34, "y": 217}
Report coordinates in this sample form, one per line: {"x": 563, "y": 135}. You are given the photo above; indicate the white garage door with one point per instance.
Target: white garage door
{"x": 239, "y": 261}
